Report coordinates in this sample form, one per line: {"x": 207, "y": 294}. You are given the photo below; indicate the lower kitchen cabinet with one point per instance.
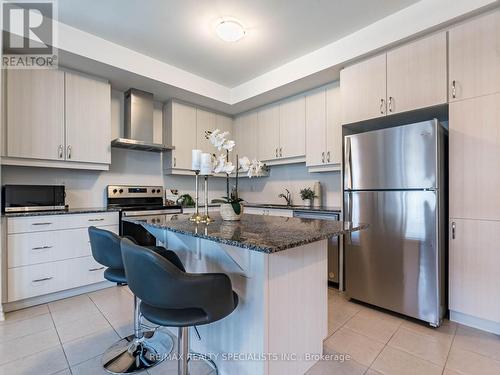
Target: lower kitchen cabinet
{"x": 47, "y": 254}
{"x": 474, "y": 261}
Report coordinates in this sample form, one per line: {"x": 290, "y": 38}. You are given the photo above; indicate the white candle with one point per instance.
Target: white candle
{"x": 195, "y": 160}
{"x": 206, "y": 164}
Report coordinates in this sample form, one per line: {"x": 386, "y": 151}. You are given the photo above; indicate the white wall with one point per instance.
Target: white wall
{"x": 293, "y": 177}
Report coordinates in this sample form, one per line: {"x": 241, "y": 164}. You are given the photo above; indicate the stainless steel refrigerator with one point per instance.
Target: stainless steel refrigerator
{"x": 395, "y": 180}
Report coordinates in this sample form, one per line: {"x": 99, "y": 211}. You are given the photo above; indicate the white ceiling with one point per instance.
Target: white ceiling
{"x": 180, "y": 32}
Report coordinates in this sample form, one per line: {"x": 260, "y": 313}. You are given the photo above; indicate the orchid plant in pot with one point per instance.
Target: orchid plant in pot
{"x": 231, "y": 205}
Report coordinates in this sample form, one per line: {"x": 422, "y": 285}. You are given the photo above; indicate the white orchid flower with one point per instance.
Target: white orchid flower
{"x": 255, "y": 168}
{"x": 244, "y": 163}
{"x": 218, "y": 139}
{"x": 222, "y": 165}
{"x": 229, "y": 145}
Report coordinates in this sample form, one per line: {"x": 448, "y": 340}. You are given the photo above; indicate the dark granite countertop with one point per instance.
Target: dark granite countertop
{"x": 68, "y": 211}
{"x": 268, "y": 234}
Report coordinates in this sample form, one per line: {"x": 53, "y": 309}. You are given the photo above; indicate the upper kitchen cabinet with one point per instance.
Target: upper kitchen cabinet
{"x": 292, "y": 127}
{"x": 88, "y": 118}
{"x": 245, "y": 135}
{"x": 57, "y": 119}
{"x": 35, "y": 114}
{"x": 281, "y": 129}
{"x": 410, "y": 77}
{"x": 363, "y": 88}
{"x": 416, "y": 74}
{"x": 179, "y": 130}
{"x": 474, "y": 57}
{"x": 224, "y": 123}
{"x": 474, "y": 158}
{"x": 269, "y": 133}
{"x": 323, "y": 129}
{"x": 333, "y": 125}
{"x": 316, "y": 127}
{"x": 205, "y": 122}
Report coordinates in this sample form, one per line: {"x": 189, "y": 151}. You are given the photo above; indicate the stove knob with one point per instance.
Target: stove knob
{"x": 158, "y": 191}
{"x": 115, "y": 191}
{"x": 120, "y": 191}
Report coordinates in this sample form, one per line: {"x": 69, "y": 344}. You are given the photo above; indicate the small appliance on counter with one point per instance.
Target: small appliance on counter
{"x": 144, "y": 201}
{"x": 28, "y": 198}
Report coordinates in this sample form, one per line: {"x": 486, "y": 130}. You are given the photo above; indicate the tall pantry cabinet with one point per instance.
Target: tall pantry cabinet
{"x": 474, "y": 94}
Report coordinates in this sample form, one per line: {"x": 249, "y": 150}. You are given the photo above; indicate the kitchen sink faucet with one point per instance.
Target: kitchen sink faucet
{"x": 287, "y": 197}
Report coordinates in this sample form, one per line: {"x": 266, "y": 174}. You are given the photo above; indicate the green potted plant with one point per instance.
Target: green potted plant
{"x": 307, "y": 195}
{"x": 231, "y": 208}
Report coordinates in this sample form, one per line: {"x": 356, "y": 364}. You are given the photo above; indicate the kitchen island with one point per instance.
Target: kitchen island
{"x": 278, "y": 267}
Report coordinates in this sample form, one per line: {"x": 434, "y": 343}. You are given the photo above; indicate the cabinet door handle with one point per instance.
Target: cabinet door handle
{"x": 101, "y": 219}
{"x": 175, "y": 161}
{"x": 42, "y": 247}
{"x": 46, "y": 223}
{"x": 454, "y": 89}
{"x": 42, "y": 279}
{"x": 276, "y": 152}
{"x": 323, "y": 157}
{"x": 281, "y": 151}
{"x": 68, "y": 152}
{"x": 60, "y": 151}
{"x": 96, "y": 269}
{"x": 390, "y": 103}
{"x": 382, "y": 105}
{"x": 328, "y": 156}
{"x": 453, "y": 230}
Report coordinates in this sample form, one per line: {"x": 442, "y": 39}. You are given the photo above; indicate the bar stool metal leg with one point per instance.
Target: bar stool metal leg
{"x": 137, "y": 352}
{"x": 185, "y": 355}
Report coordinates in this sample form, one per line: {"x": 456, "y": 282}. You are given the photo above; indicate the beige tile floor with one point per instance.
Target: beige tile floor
{"x": 67, "y": 337}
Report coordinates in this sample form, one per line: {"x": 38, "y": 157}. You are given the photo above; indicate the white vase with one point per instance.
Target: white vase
{"x": 307, "y": 202}
{"x": 227, "y": 212}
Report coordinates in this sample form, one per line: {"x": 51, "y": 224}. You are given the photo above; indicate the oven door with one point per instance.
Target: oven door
{"x": 138, "y": 232}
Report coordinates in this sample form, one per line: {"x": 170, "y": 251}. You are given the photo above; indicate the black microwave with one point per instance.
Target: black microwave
{"x": 22, "y": 198}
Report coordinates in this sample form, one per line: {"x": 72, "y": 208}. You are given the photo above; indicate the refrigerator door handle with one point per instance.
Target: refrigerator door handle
{"x": 348, "y": 163}
{"x": 349, "y": 214}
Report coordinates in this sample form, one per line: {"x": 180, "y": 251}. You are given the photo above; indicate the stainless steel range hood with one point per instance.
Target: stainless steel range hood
{"x": 138, "y": 132}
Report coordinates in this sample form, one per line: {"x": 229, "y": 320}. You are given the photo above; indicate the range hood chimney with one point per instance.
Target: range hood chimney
{"x": 138, "y": 132}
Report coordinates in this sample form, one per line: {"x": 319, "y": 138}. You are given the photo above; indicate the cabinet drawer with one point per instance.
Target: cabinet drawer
{"x": 57, "y": 222}
{"x": 41, "y": 247}
{"x": 90, "y": 272}
{"x": 40, "y": 279}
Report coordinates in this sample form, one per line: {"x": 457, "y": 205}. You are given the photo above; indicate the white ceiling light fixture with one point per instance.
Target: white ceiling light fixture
{"x": 230, "y": 30}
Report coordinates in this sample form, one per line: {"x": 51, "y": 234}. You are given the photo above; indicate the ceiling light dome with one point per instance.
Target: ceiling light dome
{"x": 230, "y": 30}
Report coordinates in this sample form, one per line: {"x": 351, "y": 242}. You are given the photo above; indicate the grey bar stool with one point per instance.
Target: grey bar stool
{"x": 172, "y": 297}
{"x": 142, "y": 349}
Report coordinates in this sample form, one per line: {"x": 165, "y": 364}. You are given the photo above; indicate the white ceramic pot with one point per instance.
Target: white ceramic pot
{"x": 308, "y": 202}
{"x": 227, "y": 212}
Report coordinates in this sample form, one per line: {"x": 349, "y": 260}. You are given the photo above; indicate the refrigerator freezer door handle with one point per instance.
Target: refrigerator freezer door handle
{"x": 348, "y": 163}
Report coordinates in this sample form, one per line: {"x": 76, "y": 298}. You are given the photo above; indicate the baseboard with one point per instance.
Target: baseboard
{"x": 474, "y": 322}
{"x": 39, "y": 300}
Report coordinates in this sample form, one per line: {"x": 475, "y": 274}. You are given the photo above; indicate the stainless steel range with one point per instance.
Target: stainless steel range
{"x": 139, "y": 201}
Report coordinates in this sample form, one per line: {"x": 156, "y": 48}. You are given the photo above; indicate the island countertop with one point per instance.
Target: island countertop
{"x": 268, "y": 234}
